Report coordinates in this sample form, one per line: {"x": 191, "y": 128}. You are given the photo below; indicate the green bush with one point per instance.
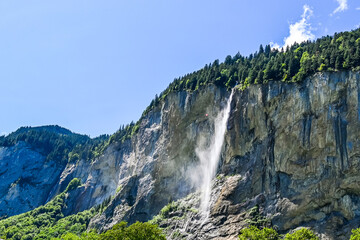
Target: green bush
{"x": 171, "y": 207}
{"x": 74, "y": 183}
{"x": 355, "y": 234}
{"x": 70, "y": 236}
{"x": 253, "y": 233}
{"x": 136, "y": 231}
{"x": 301, "y": 234}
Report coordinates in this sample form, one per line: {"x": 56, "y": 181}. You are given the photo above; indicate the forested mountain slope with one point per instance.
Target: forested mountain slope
{"x": 31, "y": 162}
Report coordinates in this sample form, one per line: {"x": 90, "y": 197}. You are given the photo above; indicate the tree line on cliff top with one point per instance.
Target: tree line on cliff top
{"x": 291, "y": 64}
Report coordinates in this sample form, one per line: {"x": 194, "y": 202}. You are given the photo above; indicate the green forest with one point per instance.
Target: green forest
{"x": 293, "y": 64}
{"x": 57, "y": 143}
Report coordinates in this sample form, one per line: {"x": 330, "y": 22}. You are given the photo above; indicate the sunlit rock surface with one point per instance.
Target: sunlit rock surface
{"x": 293, "y": 146}
{"x": 290, "y": 159}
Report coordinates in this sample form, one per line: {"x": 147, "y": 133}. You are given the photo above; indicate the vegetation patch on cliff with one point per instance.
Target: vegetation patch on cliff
{"x": 49, "y": 222}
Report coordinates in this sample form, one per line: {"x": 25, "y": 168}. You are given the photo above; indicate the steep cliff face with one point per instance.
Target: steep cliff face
{"x": 292, "y": 150}
{"x": 302, "y": 144}
{"x": 290, "y": 159}
{"x": 26, "y": 179}
{"x": 153, "y": 168}
{"x": 32, "y": 160}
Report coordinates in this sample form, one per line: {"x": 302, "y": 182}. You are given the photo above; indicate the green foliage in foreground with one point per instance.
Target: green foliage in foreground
{"x": 45, "y": 222}
{"x": 92, "y": 235}
{"x": 48, "y": 221}
{"x": 74, "y": 228}
{"x": 253, "y": 233}
{"x": 301, "y": 234}
{"x": 136, "y": 231}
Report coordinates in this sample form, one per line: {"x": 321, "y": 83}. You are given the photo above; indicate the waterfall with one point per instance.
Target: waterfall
{"x": 209, "y": 156}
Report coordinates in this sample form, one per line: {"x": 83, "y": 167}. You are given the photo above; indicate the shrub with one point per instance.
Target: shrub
{"x": 253, "y": 233}
{"x": 136, "y": 231}
{"x": 355, "y": 234}
{"x": 171, "y": 207}
{"x": 301, "y": 234}
{"x": 70, "y": 236}
{"x": 73, "y": 184}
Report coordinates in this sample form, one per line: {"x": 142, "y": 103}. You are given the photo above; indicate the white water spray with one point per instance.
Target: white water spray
{"x": 209, "y": 156}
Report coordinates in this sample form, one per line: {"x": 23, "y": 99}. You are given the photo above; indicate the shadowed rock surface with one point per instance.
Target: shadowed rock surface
{"x": 290, "y": 159}
{"x": 26, "y": 179}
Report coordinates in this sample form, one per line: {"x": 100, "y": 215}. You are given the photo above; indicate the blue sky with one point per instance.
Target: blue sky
{"x": 92, "y": 66}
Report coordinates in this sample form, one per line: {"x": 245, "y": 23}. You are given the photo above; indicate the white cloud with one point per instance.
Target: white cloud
{"x": 299, "y": 31}
{"x": 342, "y": 6}
{"x": 3, "y": 133}
{"x": 274, "y": 45}
{"x": 358, "y": 8}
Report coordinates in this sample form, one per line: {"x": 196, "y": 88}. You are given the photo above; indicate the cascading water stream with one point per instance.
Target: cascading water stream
{"x": 209, "y": 157}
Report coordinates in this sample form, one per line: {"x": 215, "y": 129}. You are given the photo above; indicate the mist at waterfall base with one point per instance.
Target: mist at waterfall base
{"x": 208, "y": 151}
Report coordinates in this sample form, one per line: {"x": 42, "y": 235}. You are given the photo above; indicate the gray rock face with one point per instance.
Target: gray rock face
{"x": 291, "y": 151}
{"x": 302, "y": 144}
{"x": 156, "y": 165}
{"x": 26, "y": 179}
{"x": 293, "y": 146}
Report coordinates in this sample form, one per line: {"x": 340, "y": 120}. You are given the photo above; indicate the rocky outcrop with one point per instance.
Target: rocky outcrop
{"x": 293, "y": 146}
{"x": 26, "y": 179}
{"x": 295, "y": 150}
{"x": 303, "y": 146}
{"x": 156, "y": 166}
{"x": 290, "y": 159}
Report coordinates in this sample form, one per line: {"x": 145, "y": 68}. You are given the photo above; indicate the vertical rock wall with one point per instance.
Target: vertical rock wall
{"x": 290, "y": 149}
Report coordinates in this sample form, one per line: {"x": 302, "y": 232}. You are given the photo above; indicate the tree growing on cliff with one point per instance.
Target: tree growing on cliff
{"x": 293, "y": 64}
